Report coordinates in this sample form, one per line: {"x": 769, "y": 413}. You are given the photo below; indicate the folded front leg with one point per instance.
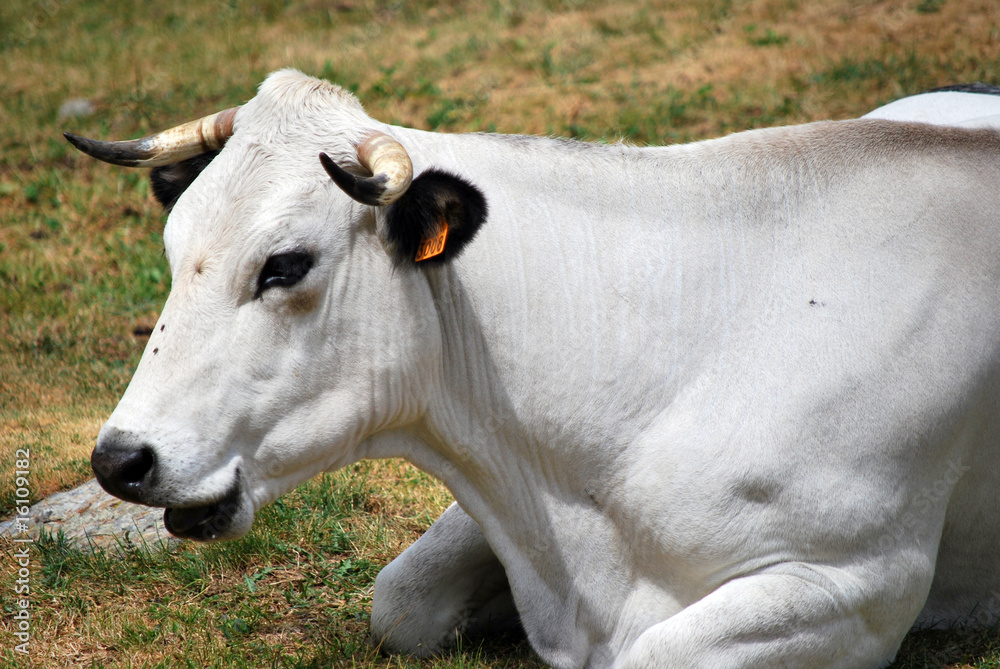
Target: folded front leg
{"x": 448, "y": 582}
{"x": 791, "y": 615}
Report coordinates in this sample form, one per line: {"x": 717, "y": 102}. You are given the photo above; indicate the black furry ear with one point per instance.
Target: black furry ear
{"x": 170, "y": 181}
{"x": 434, "y": 220}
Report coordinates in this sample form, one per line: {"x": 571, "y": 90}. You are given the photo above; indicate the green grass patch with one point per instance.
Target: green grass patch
{"x": 765, "y": 37}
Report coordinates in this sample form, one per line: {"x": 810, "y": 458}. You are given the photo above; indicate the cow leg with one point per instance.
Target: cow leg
{"x": 447, "y": 583}
{"x": 790, "y": 615}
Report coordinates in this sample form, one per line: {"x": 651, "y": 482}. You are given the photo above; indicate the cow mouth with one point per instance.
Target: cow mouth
{"x": 207, "y": 522}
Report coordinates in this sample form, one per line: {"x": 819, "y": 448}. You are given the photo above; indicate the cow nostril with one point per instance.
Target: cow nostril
{"x": 135, "y": 466}
{"x": 124, "y": 472}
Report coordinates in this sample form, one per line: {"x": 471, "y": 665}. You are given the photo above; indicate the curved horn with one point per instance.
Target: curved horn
{"x": 165, "y": 148}
{"x": 389, "y": 164}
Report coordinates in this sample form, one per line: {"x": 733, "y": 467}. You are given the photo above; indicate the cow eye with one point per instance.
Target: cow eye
{"x": 284, "y": 269}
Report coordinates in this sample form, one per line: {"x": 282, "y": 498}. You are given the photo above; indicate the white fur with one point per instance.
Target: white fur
{"x": 940, "y": 108}
{"x": 725, "y": 404}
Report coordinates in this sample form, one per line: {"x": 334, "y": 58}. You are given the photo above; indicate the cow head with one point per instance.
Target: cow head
{"x": 300, "y": 324}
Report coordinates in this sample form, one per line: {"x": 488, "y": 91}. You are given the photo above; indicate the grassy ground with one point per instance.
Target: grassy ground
{"x": 82, "y": 273}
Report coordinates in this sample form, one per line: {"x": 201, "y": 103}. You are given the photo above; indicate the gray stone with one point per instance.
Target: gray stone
{"x": 89, "y": 517}
{"x": 75, "y": 108}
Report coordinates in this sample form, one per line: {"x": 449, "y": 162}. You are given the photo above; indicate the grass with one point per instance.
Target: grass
{"x": 294, "y": 593}
{"x": 82, "y": 273}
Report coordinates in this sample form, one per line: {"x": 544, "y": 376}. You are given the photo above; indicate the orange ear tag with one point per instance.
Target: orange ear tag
{"x": 433, "y": 246}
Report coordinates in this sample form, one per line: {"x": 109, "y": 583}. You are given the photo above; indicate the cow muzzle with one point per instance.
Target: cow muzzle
{"x": 130, "y": 470}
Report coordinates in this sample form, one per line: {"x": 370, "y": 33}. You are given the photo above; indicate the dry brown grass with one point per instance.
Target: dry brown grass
{"x": 596, "y": 47}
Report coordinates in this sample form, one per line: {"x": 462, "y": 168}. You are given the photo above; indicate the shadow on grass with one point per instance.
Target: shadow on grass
{"x": 951, "y": 648}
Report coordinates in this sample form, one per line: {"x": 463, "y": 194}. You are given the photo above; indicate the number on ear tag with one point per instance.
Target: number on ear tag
{"x": 433, "y": 245}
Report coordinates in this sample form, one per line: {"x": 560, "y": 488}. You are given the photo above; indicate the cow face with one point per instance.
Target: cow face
{"x": 299, "y": 323}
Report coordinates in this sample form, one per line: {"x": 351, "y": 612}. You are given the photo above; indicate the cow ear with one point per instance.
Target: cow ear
{"x": 169, "y": 181}
{"x": 434, "y": 219}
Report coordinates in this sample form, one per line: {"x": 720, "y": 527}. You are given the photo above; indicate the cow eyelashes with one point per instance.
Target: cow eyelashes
{"x": 284, "y": 269}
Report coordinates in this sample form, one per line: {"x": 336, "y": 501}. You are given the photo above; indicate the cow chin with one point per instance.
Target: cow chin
{"x": 229, "y": 517}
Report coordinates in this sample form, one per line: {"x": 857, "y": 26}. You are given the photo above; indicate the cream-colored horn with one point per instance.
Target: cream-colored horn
{"x": 380, "y": 154}
{"x": 389, "y": 163}
{"x": 165, "y": 148}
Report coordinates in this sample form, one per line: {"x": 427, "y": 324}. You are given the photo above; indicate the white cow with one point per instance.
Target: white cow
{"x": 725, "y": 404}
